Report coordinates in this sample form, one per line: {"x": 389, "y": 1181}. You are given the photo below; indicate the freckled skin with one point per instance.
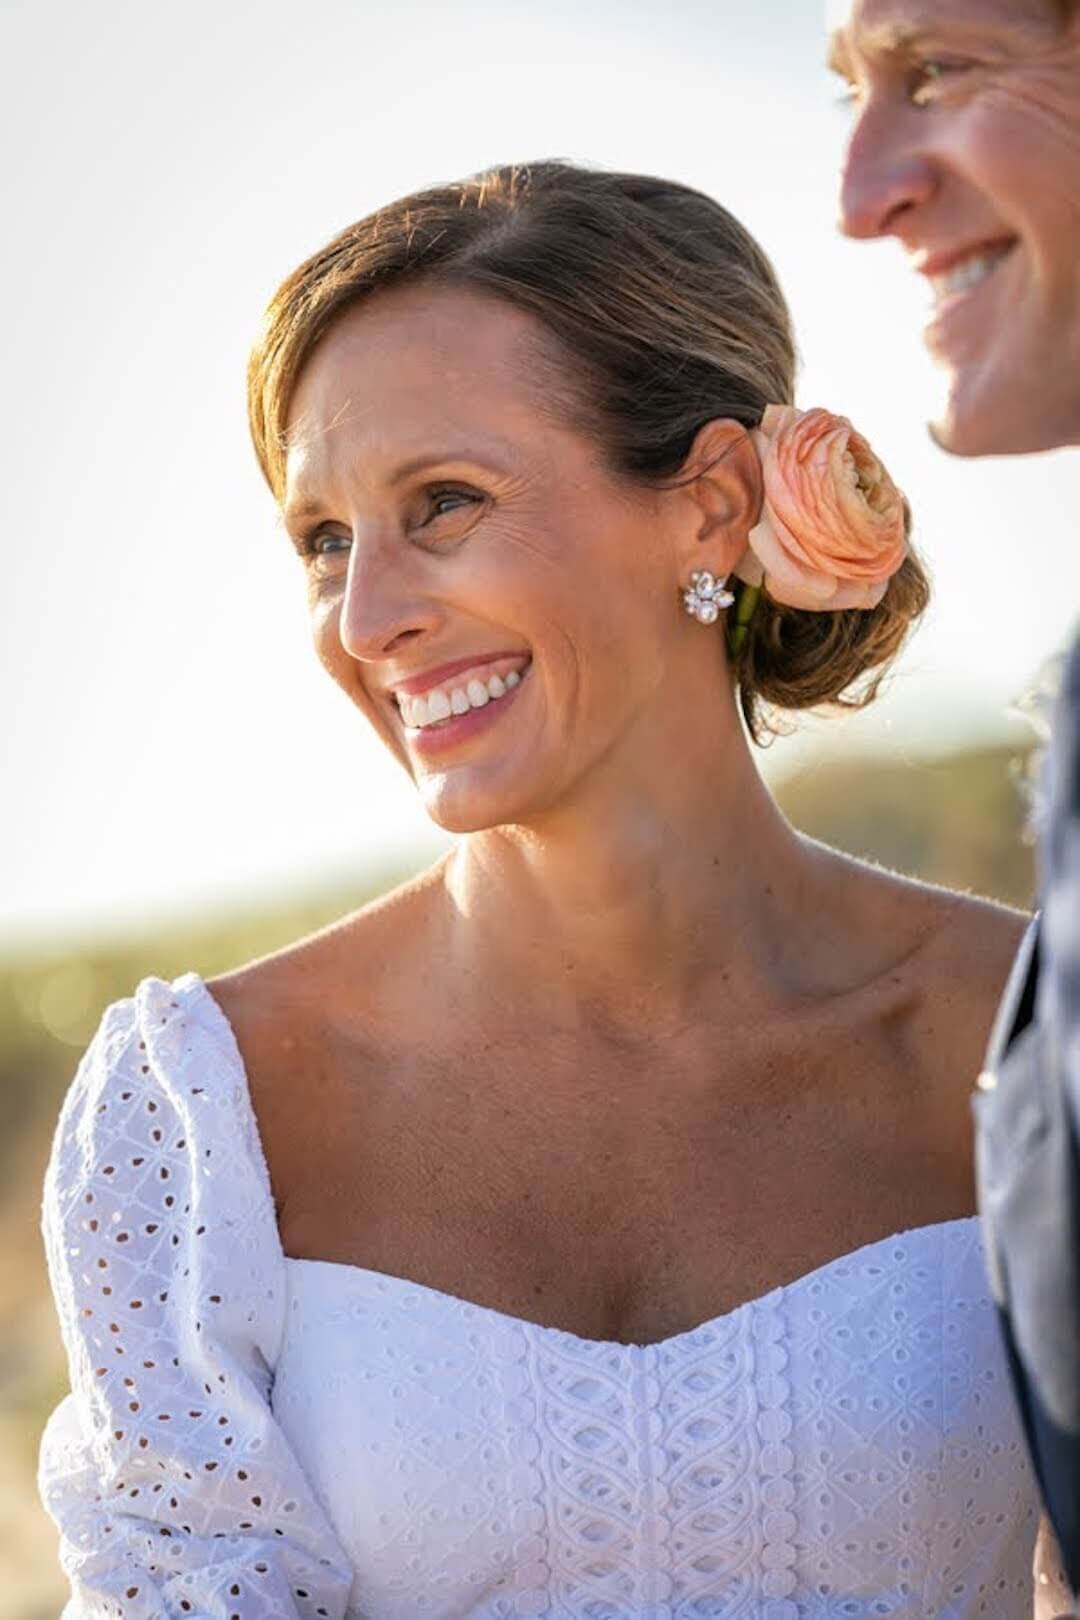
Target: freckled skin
{"x": 966, "y": 131}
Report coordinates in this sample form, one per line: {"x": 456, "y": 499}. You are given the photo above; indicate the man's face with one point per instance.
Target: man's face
{"x": 966, "y": 149}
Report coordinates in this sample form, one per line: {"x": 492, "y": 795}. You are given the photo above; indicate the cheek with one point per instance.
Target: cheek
{"x": 1018, "y": 133}
{"x": 597, "y": 591}
{"x": 324, "y": 618}
{"x": 989, "y": 147}
{"x": 348, "y": 675}
{"x": 621, "y": 638}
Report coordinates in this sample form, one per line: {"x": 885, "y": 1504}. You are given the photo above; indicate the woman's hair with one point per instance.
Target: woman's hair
{"x": 666, "y": 315}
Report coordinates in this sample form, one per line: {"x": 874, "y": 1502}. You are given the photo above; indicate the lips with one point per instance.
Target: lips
{"x": 473, "y": 689}
{"x": 446, "y": 717}
{"x": 445, "y": 672}
{"x": 439, "y": 700}
{"x": 952, "y": 274}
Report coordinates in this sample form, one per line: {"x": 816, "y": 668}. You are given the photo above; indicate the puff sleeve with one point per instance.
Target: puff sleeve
{"x": 175, "y": 1492}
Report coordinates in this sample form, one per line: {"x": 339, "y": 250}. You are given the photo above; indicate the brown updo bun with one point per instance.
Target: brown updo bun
{"x": 794, "y": 659}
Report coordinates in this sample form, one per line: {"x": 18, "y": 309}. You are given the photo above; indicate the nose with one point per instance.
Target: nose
{"x": 384, "y": 606}
{"x": 886, "y": 174}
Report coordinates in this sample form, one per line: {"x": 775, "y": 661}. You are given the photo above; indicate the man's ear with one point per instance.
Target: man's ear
{"x": 721, "y": 489}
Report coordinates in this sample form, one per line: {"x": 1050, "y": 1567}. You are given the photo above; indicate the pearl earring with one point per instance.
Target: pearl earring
{"x": 706, "y": 596}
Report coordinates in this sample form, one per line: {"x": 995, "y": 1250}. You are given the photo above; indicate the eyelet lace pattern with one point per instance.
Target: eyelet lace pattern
{"x": 250, "y": 1437}
{"x": 175, "y": 1491}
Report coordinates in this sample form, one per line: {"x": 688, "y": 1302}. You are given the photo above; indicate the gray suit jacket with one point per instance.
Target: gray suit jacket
{"x": 1028, "y": 1149}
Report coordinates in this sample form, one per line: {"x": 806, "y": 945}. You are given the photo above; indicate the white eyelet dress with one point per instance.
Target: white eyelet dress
{"x": 250, "y": 1437}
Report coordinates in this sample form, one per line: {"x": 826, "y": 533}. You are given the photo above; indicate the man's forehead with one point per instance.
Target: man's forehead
{"x": 883, "y": 25}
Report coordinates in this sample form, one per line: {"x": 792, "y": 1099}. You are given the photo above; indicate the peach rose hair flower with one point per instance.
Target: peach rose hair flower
{"x": 832, "y": 530}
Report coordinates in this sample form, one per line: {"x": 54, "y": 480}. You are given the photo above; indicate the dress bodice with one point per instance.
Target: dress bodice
{"x": 843, "y": 1446}
{"x": 251, "y": 1436}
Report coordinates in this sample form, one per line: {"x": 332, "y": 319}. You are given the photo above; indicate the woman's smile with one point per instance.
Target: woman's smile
{"x": 445, "y": 708}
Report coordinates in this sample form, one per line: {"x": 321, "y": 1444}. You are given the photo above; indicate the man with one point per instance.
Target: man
{"x": 965, "y": 147}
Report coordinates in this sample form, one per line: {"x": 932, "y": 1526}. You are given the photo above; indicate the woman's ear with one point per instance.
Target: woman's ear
{"x": 721, "y": 490}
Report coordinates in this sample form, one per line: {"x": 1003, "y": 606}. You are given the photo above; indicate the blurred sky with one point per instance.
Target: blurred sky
{"x": 167, "y": 736}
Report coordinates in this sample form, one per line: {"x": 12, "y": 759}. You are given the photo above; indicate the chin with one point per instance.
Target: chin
{"x": 959, "y": 437}
{"x": 1009, "y": 413}
{"x": 464, "y": 819}
{"x": 460, "y": 808}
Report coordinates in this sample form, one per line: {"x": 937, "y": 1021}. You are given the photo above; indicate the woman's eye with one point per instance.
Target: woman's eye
{"x": 443, "y": 501}
{"x": 445, "y": 513}
{"x": 325, "y": 543}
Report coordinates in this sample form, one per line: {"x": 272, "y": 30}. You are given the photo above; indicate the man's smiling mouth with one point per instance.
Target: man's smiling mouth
{"x": 967, "y": 273}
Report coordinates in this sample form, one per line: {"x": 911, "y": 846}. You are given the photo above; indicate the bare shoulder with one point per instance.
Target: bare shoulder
{"x": 969, "y": 950}
{"x": 314, "y": 1019}
{"x": 963, "y": 969}
{"x": 350, "y": 962}
{"x": 941, "y": 962}
{"x": 953, "y": 953}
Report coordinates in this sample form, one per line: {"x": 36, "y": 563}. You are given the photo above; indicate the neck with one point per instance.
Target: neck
{"x": 637, "y": 896}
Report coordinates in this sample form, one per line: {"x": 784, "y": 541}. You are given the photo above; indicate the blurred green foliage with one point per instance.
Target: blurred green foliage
{"x": 957, "y": 820}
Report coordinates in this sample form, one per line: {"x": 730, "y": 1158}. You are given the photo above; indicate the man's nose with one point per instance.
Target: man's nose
{"x": 384, "y": 605}
{"x": 886, "y": 174}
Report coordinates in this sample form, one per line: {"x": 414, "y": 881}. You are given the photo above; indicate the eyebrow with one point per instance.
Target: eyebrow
{"x": 436, "y": 458}
{"x": 884, "y": 38}
{"x": 299, "y": 511}
{"x": 311, "y": 506}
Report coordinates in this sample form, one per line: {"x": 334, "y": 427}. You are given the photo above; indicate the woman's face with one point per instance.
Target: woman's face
{"x": 498, "y": 603}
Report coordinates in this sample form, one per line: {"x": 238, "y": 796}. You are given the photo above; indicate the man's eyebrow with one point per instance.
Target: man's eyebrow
{"x": 884, "y": 38}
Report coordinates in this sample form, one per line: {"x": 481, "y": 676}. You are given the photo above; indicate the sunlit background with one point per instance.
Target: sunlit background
{"x": 176, "y": 764}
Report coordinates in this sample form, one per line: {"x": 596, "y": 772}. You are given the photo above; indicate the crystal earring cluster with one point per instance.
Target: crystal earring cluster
{"x": 706, "y": 596}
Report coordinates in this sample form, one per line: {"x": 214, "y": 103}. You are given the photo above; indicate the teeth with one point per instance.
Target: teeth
{"x": 964, "y": 276}
{"x": 418, "y": 712}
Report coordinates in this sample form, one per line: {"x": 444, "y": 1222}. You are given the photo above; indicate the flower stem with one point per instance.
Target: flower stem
{"x": 739, "y": 625}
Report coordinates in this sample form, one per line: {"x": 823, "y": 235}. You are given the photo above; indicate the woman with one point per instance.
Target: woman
{"x": 524, "y": 1244}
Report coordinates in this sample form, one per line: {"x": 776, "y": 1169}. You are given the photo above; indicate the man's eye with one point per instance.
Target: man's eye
{"x": 928, "y": 77}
